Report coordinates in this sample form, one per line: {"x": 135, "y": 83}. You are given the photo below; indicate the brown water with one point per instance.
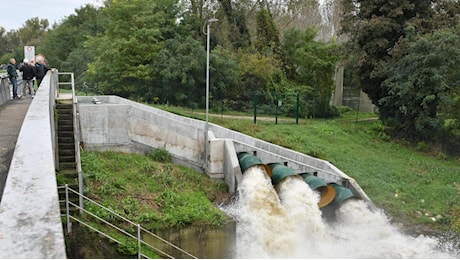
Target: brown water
{"x": 286, "y": 223}
{"x": 199, "y": 241}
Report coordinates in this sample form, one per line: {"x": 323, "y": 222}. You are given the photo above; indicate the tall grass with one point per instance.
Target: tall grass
{"x": 153, "y": 193}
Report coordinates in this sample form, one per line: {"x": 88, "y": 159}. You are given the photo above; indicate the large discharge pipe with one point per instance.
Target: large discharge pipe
{"x": 331, "y": 194}
{"x": 248, "y": 160}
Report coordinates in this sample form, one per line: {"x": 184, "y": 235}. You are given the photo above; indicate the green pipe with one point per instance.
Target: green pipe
{"x": 279, "y": 172}
{"x": 248, "y": 160}
{"x": 342, "y": 193}
{"x": 327, "y": 192}
{"x": 313, "y": 181}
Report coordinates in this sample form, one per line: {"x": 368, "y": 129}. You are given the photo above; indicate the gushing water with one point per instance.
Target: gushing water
{"x": 259, "y": 216}
{"x": 301, "y": 205}
{"x": 359, "y": 232}
{"x": 287, "y": 223}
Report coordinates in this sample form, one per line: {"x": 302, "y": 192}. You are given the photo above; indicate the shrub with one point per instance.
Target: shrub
{"x": 160, "y": 155}
{"x": 421, "y": 147}
{"x": 345, "y": 109}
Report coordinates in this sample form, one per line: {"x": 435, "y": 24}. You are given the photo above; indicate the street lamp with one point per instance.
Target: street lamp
{"x": 208, "y": 33}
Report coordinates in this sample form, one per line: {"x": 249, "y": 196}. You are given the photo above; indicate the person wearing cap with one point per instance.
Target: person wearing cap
{"x": 13, "y": 74}
{"x": 28, "y": 75}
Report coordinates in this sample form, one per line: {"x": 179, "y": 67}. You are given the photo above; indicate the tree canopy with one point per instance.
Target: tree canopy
{"x": 405, "y": 53}
{"x": 402, "y": 53}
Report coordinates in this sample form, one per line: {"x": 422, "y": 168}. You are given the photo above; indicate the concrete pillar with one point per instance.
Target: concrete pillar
{"x": 338, "y": 92}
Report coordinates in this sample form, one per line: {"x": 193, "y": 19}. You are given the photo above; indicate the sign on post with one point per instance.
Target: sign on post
{"x": 29, "y": 52}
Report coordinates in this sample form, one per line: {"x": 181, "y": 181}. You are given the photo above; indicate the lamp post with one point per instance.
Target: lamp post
{"x": 208, "y": 33}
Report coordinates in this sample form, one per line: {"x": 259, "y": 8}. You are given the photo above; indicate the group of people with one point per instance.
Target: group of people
{"x": 29, "y": 72}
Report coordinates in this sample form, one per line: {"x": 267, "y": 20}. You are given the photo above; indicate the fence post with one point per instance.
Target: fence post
{"x": 80, "y": 190}
{"x": 138, "y": 241}
{"x": 255, "y": 107}
{"x": 69, "y": 228}
{"x": 297, "y": 110}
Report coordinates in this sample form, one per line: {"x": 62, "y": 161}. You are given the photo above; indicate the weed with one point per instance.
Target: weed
{"x": 442, "y": 156}
{"x": 380, "y": 130}
{"x": 160, "y": 155}
{"x": 455, "y": 218}
{"x": 317, "y": 153}
{"x": 129, "y": 246}
{"x": 422, "y": 147}
{"x": 148, "y": 167}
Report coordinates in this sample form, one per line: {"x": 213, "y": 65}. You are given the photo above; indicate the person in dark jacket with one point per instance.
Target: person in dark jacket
{"x": 13, "y": 74}
{"x": 28, "y": 75}
{"x": 39, "y": 70}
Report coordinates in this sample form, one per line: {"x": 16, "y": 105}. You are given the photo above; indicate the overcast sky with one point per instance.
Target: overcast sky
{"x": 14, "y": 13}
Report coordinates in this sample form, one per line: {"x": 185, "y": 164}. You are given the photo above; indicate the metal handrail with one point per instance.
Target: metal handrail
{"x": 140, "y": 242}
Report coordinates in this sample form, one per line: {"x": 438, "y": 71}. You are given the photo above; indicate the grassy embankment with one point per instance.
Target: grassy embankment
{"x": 150, "y": 190}
{"x": 146, "y": 189}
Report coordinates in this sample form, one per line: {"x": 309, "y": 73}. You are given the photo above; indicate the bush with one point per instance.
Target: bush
{"x": 160, "y": 155}
{"x": 380, "y": 130}
{"x": 421, "y": 147}
{"x": 345, "y": 109}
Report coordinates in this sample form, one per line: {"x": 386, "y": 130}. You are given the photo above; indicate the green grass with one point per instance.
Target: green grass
{"x": 152, "y": 193}
{"x": 412, "y": 187}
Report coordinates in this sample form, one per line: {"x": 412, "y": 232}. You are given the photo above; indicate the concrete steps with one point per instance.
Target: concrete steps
{"x": 67, "y": 172}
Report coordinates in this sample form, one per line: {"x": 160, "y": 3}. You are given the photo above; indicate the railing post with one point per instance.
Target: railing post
{"x": 138, "y": 241}
{"x": 69, "y": 228}
{"x": 80, "y": 190}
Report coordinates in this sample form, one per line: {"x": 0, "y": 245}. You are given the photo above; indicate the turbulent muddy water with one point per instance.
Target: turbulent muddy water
{"x": 286, "y": 223}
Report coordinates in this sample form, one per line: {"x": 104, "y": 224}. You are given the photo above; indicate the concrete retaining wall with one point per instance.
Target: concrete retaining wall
{"x": 124, "y": 125}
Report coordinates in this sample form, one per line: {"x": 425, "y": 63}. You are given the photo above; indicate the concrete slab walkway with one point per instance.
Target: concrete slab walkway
{"x": 12, "y": 114}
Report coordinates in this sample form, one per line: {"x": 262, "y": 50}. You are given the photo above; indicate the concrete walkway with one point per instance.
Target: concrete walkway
{"x": 12, "y": 114}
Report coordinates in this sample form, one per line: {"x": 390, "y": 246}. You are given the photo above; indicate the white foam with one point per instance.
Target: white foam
{"x": 287, "y": 223}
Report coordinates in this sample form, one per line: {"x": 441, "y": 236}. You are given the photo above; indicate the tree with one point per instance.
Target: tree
{"x": 424, "y": 86}
{"x": 259, "y": 73}
{"x": 267, "y": 41}
{"x": 33, "y": 32}
{"x": 312, "y": 64}
{"x": 64, "y": 44}
{"x": 225, "y": 82}
{"x": 374, "y": 27}
{"x": 133, "y": 36}
{"x": 238, "y": 30}
{"x": 12, "y": 44}
{"x": 178, "y": 72}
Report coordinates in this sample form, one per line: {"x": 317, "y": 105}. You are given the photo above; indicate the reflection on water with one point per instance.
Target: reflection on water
{"x": 200, "y": 241}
